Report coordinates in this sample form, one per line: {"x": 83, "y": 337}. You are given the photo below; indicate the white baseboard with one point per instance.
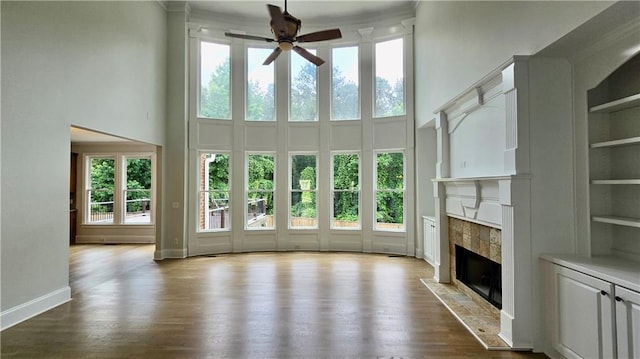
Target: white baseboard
{"x": 169, "y": 253}
{"x": 30, "y": 309}
{"x": 112, "y": 239}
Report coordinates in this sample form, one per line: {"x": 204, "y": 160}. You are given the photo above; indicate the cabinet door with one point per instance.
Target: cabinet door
{"x": 628, "y": 323}
{"x": 583, "y": 326}
{"x": 429, "y": 230}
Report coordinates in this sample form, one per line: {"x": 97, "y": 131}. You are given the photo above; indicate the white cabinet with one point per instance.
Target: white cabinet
{"x": 627, "y": 322}
{"x": 584, "y": 315}
{"x": 589, "y": 314}
{"x": 429, "y": 245}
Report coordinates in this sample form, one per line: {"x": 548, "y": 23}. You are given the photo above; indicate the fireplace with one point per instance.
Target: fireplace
{"x": 480, "y": 274}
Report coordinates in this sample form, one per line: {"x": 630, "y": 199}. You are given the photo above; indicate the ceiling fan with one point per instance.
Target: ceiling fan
{"x": 285, "y": 27}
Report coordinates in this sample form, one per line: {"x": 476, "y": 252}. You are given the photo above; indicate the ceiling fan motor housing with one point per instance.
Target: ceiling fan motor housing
{"x": 290, "y": 30}
{"x": 285, "y": 29}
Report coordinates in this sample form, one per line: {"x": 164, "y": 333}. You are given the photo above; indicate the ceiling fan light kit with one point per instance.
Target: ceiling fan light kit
{"x": 285, "y": 27}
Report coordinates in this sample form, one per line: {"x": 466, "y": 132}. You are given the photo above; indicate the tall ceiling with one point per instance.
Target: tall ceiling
{"x": 304, "y": 9}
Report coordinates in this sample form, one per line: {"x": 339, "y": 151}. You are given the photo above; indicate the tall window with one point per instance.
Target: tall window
{"x": 101, "y": 192}
{"x": 304, "y": 89}
{"x": 214, "y": 190}
{"x": 260, "y": 86}
{"x": 390, "y": 186}
{"x": 215, "y": 81}
{"x": 302, "y": 211}
{"x": 345, "y": 188}
{"x": 345, "y": 95}
{"x": 138, "y": 190}
{"x": 260, "y": 191}
{"x": 389, "y": 100}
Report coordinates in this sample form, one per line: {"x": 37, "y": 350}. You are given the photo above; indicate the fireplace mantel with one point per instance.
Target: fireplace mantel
{"x": 477, "y": 199}
{"x": 501, "y": 157}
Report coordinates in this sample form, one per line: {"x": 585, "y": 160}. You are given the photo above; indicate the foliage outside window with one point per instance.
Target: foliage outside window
{"x": 214, "y": 190}
{"x": 260, "y": 191}
{"x": 215, "y": 81}
{"x": 390, "y": 187}
{"x": 260, "y": 86}
{"x": 345, "y": 95}
{"x": 138, "y": 190}
{"x": 304, "y": 89}
{"x": 302, "y": 211}
{"x": 345, "y": 191}
{"x": 101, "y": 191}
{"x": 389, "y": 82}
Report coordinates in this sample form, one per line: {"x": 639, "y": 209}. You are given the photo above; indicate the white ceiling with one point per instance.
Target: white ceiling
{"x": 79, "y": 135}
{"x": 304, "y": 9}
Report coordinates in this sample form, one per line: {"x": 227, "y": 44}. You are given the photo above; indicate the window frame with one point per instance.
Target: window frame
{"x": 374, "y": 96}
{"x": 291, "y": 190}
{"x": 247, "y": 191}
{"x": 246, "y": 86}
{"x": 200, "y": 191}
{"x": 403, "y": 191}
{"x": 88, "y": 188}
{"x": 119, "y": 188}
{"x": 332, "y": 191}
{"x": 125, "y": 157}
{"x": 198, "y": 91}
{"x": 359, "y": 116}
{"x": 317, "y": 81}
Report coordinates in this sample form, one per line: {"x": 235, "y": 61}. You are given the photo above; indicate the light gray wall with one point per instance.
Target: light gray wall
{"x": 458, "y": 42}
{"x": 98, "y": 65}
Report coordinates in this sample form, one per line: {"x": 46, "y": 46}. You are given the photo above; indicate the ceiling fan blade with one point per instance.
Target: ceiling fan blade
{"x": 320, "y": 36}
{"x": 309, "y": 56}
{"x": 277, "y": 20}
{"x": 248, "y": 37}
{"x": 276, "y": 52}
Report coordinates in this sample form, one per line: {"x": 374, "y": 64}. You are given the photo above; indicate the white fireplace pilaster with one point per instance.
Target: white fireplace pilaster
{"x": 517, "y": 306}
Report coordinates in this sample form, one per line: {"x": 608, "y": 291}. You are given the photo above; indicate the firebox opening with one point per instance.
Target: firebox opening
{"x": 481, "y": 274}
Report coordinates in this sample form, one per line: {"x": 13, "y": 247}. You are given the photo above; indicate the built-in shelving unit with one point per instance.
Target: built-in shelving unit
{"x": 620, "y": 181}
{"x": 617, "y": 143}
{"x": 621, "y": 221}
{"x": 614, "y": 161}
{"x": 617, "y": 105}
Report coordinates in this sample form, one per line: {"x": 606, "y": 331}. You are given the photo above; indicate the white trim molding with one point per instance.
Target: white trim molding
{"x": 169, "y": 254}
{"x": 30, "y": 309}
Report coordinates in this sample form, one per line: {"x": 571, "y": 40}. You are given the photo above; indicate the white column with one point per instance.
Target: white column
{"x": 441, "y": 269}
{"x": 441, "y": 273}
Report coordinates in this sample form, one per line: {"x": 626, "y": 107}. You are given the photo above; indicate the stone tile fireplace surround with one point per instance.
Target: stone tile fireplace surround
{"x": 483, "y": 240}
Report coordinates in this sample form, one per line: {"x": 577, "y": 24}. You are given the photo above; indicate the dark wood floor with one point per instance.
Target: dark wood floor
{"x": 271, "y": 305}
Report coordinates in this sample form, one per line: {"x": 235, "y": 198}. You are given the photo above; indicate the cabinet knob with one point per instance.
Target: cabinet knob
{"x": 618, "y": 299}
{"x": 603, "y": 292}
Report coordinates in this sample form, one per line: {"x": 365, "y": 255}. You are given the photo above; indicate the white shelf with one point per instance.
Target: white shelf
{"x": 619, "y": 181}
{"x": 617, "y": 105}
{"x": 616, "y": 143}
{"x": 621, "y": 221}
